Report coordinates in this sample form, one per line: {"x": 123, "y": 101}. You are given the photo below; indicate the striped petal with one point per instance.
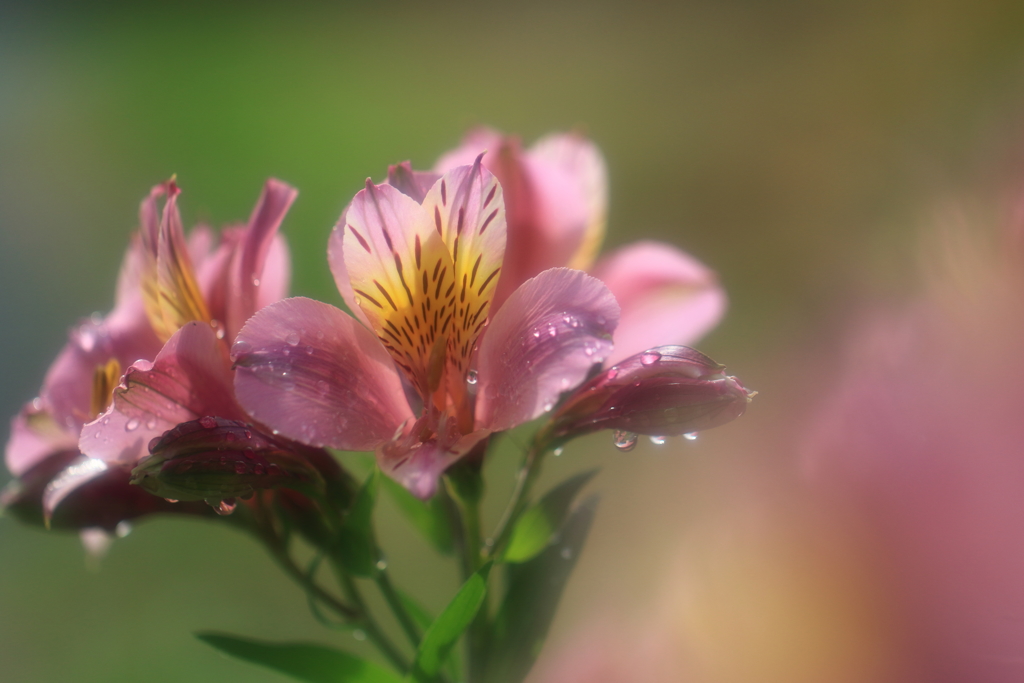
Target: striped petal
{"x": 468, "y": 211}
{"x": 402, "y": 279}
{"x": 170, "y": 292}
{"x": 542, "y": 342}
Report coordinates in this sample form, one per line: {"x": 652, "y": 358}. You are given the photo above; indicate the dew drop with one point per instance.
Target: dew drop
{"x": 258, "y": 469}
{"x": 650, "y": 357}
{"x": 613, "y": 372}
{"x": 548, "y": 406}
{"x": 657, "y": 440}
{"x": 536, "y": 334}
{"x": 625, "y": 441}
{"x": 359, "y": 634}
{"x": 323, "y": 387}
{"x": 123, "y": 528}
{"x": 240, "y": 468}
{"x": 292, "y": 339}
{"x": 552, "y": 331}
{"x": 249, "y": 453}
{"x": 558, "y": 451}
{"x": 131, "y": 425}
{"x": 255, "y": 282}
{"x": 309, "y": 350}
{"x": 151, "y": 423}
{"x": 471, "y": 377}
{"x": 382, "y": 564}
{"x": 240, "y": 348}
{"x": 566, "y": 553}
{"x": 319, "y": 334}
{"x": 37, "y": 403}
{"x": 690, "y": 436}
{"x": 171, "y": 500}
{"x": 223, "y": 507}
{"x": 207, "y": 422}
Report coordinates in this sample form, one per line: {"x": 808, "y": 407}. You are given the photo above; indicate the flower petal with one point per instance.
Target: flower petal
{"x": 667, "y": 297}
{"x": 251, "y": 258}
{"x": 402, "y": 278}
{"x": 418, "y": 465}
{"x": 414, "y": 184}
{"x": 469, "y": 212}
{"x": 577, "y": 159}
{"x": 311, "y": 372}
{"x": 190, "y": 378}
{"x": 35, "y": 436}
{"x": 170, "y": 292}
{"x": 543, "y": 341}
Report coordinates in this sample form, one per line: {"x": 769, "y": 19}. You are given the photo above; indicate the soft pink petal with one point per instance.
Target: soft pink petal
{"x": 190, "y": 378}
{"x": 667, "y": 297}
{"x": 35, "y": 435}
{"x": 213, "y": 273}
{"x": 418, "y": 465}
{"x": 543, "y": 341}
{"x": 277, "y": 273}
{"x": 570, "y": 157}
{"x": 475, "y": 142}
{"x": 249, "y": 263}
{"x": 413, "y": 184}
{"x": 311, "y": 372}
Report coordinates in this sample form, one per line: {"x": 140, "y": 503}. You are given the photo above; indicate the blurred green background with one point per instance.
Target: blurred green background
{"x": 793, "y": 146}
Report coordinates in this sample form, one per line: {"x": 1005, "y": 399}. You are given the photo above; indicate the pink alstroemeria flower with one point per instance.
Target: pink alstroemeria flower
{"x": 556, "y": 196}
{"x": 436, "y": 369}
{"x": 165, "y": 284}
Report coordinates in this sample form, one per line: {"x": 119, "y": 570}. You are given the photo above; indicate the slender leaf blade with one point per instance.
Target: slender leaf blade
{"x": 303, "y": 661}
{"x": 356, "y": 544}
{"x": 538, "y": 525}
{"x": 534, "y": 590}
{"x": 450, "y": 624}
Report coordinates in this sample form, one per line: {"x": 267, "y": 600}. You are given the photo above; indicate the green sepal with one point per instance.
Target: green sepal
{"x": 442, "y": 635}
{"x": 532, "y": 596}
{"x": 357, "y": 547}
{"x": 303, "y": 661}
{"x": 538, "y": 525}
{"x": 424, "y": 619}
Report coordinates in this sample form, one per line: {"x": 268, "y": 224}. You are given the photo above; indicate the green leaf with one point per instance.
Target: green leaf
{"x": 357, "y": 547}
{"x": 424, "y": 619}
{"x": 304, "y": 661}
{"x": 442, "y": 635}
{"x": 530, "y": 602}
{"x": 429, "y": 517}
{"x": 539, "y": 523}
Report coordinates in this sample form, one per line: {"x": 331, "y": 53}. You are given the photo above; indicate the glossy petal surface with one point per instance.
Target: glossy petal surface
{"x": 190, "y": 378}
{"x": 314, "y": 374}
{"x": 543, "y": 341}
{"x": 667, "y": 297}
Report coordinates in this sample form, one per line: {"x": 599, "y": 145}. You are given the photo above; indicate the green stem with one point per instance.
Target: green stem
{"x": 369, "y": 625}
{"x": 527, "y": 477}
{"x": 394, "y": 601}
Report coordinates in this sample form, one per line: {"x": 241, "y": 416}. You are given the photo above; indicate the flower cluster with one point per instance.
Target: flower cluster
{"x": 475, "y": 305}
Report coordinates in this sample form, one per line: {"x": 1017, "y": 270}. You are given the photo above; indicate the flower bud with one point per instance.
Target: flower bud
{"x": 214, "y": 459}
{"x": 664, "y": 391}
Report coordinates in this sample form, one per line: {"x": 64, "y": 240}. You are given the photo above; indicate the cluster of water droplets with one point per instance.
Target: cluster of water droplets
{"x": 626, "y": 441}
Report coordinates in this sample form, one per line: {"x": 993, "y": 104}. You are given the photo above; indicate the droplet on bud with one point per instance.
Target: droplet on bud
{"x": 131, "y": 425}
{"x": 657, "y": 440}
{"x": 690, "y": 436}
{"x": 471, "y": 377}
{"x": 223, "y": 507}
{"x": 650, "y": 357}
{"x": 292, "y": 339}
{"x": 558, "y": 451}
{"x": 624, "y": 441}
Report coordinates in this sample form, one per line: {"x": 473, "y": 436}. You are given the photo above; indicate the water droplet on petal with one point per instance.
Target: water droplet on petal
{"x": 292, "y": 339}
{"x": 624, "y": 441}
{"x": 558, "y": 451}
{"x": 691, "y": 436}
{"x": 552, "y": 331}
{"x": 255, "y": 282}
{"x": 323, "y": 387}
{"x": 37, "y": 403}
{"x": 471, "y": 377}
{"x": 548, "y": 406}
{"x": 612, "y": 372}
{"x": 258, "y": 469}
{"x": 650, "y": 357}
{"x": 131, "y": 425}
{"x": 207, "y": 422}
{"x": 223, "y": 507}
{"x": 240, "y": 468}
{"x": 657, "y": 440}
{"x": 536, "y": 334}
{"x": 151, "y": 423}
{"x": 240, "y": 348}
